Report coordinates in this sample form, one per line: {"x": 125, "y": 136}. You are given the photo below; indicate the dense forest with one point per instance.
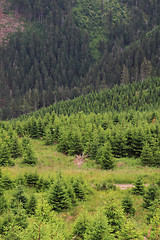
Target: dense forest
{"x": 69, "y": 48}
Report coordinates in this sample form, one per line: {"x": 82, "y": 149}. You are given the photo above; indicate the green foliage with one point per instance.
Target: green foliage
{"x": 31, "y": 179}
{"x": 114, "y": 214}
{"x": 139, "y": 187}
{"x": 129, "y": 231}
{"x": 79, "y": 188}
{"x": 59, "y": 198}
{"x": 7, "y": 182}
{"x": 18, "y": 199}
{"x": 98, "y": 228}
{"x": 15, "y": 148}
{"x": 150, "y": 195}
{"x": 3, "y": 204}
{"x": 31, "y": 207}
{"x": 155, "y": 233}
{"x": 127, "y": 205}
{"x": 104, "y": 156}
{"x": 5, "y": 159}
{"x": 28, "y": 156}
{"x": 48, "y": 137}
{"x": 81, "y": 225}
{"x": 147, "y": 155}
{"x": 43, "y": 210}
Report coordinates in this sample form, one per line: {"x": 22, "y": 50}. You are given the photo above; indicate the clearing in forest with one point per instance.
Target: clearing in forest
{"x": 9, "y": 23}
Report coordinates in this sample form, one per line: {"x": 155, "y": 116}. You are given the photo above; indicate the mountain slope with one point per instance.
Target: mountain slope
{"x": 73, "y": 48}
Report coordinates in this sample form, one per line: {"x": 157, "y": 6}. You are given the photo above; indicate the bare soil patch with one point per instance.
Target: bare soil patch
{"x": 8, "y": 23}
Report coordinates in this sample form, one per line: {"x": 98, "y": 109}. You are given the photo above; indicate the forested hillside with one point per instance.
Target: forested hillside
{"x": 69, "y": 48}
{"x": 85, "y": 169}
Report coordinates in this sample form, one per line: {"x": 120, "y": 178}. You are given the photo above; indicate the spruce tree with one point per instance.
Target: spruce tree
{"x": 127, "y": 205}
{"x": 59, "y": 198}
{"x": 31, "y": 207}
{"x": 104, "y": 156}
{"x": 147, "y": 155}
{"x": 15, "y": 148}
{"x": 139, "y": 187}
{"x": 99, "y": 228}
{"x": 150, "y": 195}
{"x": 5, "y": 159}
{"x": 28, "y": 156}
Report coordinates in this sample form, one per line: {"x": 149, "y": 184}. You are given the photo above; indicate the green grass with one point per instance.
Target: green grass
{"x": 50, "y": 162}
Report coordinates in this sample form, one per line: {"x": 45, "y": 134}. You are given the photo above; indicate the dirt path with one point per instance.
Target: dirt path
{"x": 127, "y": 186}
{"x": 124, "y": 186}
{"x": 8, "y": 24}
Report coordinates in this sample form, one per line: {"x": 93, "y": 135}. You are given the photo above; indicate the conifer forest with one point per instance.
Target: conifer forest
{"x": 79, "y": 119}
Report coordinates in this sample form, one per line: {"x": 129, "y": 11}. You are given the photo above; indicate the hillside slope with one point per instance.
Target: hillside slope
{"x": 73, "y": 48}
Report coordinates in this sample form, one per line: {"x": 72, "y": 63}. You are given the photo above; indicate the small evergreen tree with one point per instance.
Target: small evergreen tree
{"x": 3, "y": 204}
{"x": 127, "y": 205}
{"x": 5, "y": 159}
{"x": 79, "y": 189}
{"x": 98, "y": 229}
{"x": 59, "y": 198}
{"x": 19, "y": 198}
{"x": 150, "y": 195}
{"x": 139, "y": 187}
{"x": 81, "y": 225}
{"x": 28, "y": 157}
{"x": 31, "y": 179}
{"x": 147, "y": 155}
{"x": 105, "y": 157}
{"x": 48, "y": 137}
{"x": 114, "y": 214}
{"x": 15, "y": 148}
{"x": 31, "y": 207}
